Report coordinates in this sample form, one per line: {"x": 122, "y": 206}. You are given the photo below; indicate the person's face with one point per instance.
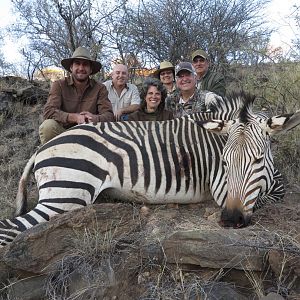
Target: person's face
{"x": 153, "y": 98}
{"x": 166, "y": 77}
{"x": 119, "y": 75}
{"x": 81, "y": 69}
{"x": 185, "y": 80}
{"x": 201, "y": 65}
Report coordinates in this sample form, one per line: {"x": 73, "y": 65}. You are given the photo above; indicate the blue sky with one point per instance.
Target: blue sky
{"x": 276, "y": 13}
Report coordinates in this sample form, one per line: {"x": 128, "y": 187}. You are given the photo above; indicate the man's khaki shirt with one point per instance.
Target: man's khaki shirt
{"x": 64, "y": 98}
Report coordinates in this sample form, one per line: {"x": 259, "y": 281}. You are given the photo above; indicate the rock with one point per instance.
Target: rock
{"x": 20, "y": 90}
{"x": 220, "y": 290}
{"x": 31, "y": 288}
{"x": 272, "y": 296}
{"x": 31, "y": 95}
{"x": 37, "y": 248}
{"x": 284, "y": 263}
{"x": 5, "y": 102}
{"x": 207, "y": 247}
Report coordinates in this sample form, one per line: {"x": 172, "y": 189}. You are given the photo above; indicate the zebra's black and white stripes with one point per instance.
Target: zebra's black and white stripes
{"x": 185, "y": 160}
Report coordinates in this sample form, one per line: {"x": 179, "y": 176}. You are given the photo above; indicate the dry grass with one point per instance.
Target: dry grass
{"x": 18, "y": 140}
{"x": 89, "y": 269}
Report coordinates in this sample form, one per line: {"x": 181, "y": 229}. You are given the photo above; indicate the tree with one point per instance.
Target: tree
{"x": 297, "y": 39}
{"x": 150, "y": 30}
{"x": 56, "y": 27}
{"x": 172, "y": 29}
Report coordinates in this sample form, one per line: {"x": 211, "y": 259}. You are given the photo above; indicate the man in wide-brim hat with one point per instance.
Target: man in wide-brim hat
{"x": 83, "y": 54}
{"x": 166, "y": 74}
{"x": 76, "y": 99}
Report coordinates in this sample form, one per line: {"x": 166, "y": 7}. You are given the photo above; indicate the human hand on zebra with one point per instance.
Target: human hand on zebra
{"x": 88, "y": 117}
{"x": 75, "y": 118}
{"x": 118, "y": 114}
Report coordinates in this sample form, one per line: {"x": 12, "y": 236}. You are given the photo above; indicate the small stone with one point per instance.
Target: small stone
{"x": 272, "y": 296}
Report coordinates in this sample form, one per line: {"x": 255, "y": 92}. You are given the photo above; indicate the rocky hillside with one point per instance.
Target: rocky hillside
{"x": 115, "y": 250}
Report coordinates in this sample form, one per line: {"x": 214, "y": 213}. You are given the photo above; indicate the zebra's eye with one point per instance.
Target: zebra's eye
{"x": 224, "y": 163}
{"x": 258, "y": 159}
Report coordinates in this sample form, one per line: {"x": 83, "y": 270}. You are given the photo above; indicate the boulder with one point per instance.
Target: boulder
{"x": 37, "y": 248}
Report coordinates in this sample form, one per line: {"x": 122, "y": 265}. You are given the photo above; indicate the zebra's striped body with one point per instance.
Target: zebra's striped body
{"x": 160, "y": 161}
{"x": 176, "y": 161}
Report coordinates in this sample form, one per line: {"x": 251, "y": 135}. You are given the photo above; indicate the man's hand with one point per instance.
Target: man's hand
{"x": 89, "y": 118}
{"x": 118, "y": 114}
{"x": 74, "y": 118}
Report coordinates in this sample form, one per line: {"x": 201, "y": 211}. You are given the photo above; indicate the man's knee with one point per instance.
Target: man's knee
{"x": 49, "y": 129}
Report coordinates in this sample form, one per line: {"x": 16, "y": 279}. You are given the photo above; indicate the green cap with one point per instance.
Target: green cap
{"x": 200, "y": 53}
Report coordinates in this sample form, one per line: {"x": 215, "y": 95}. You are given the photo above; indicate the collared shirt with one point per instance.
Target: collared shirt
{"x": 196, "y": 103}
{"x": 129, "y": 95}
{"x": 213, "y": 82}
{"x": 65, "y": 98}
{"x": 173, "y": 91}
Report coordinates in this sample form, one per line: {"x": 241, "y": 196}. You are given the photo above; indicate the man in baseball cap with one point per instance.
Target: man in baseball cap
{"x": 77, "y": 98}
{"x": 188, "y": 99}
{"x": 207, "y": 79}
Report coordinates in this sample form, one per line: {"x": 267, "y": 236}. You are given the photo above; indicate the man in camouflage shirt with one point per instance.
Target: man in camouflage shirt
{"x": 187, "y": 99}
{"x": 207, "y": 80}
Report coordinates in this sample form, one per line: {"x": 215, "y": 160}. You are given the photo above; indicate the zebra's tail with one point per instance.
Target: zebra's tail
{"x": 21, "y": 198}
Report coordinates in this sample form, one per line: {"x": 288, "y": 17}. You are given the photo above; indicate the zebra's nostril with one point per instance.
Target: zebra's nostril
{"x": 232, "y": 218}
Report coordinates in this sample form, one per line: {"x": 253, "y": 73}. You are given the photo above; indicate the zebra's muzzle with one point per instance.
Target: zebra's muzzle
{"x": 233, "y": 218}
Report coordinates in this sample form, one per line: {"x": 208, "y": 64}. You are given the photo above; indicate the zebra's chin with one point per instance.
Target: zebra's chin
{"x": 234, "y": 218}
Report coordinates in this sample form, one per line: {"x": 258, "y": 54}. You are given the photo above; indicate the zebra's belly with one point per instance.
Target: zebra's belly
{"x": 151, "y": 198}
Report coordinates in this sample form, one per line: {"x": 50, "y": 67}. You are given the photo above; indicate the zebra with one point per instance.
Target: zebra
{"x": 184, "y": 160}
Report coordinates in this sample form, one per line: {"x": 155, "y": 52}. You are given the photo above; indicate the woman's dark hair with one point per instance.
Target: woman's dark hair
{"x": 144, "y": 90}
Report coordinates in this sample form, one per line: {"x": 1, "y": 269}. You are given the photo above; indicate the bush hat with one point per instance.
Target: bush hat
{"x": 200, "y": 53}
{"x": 185, "y": 66}
{"x": 164, "y": 65}
{"x": 81, "y": 53}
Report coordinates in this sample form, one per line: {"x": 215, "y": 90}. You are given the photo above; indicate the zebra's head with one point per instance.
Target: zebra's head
{"x": 248, "y": 162}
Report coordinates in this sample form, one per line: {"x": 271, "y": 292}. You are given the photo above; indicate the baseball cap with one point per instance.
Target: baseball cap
{"x": 200, "y": 53}
{"x": 184, "y": 66}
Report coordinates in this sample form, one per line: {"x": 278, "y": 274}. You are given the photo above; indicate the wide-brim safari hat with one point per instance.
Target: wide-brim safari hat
{"x": 163, "y": 66}
{"x": 81, "y": 53}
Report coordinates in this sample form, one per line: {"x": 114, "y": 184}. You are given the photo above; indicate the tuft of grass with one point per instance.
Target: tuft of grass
{"x": 287, "y": 157}
{"x": 92, "y": 264}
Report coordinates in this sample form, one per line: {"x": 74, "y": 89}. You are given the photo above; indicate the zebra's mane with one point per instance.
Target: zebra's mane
{"x": 246, "y": 112}
{"x": 233, "y": 106}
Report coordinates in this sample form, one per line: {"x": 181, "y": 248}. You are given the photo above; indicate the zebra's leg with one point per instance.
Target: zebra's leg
{"x": 43, "y": 212}
{"x": 275, "y": 192}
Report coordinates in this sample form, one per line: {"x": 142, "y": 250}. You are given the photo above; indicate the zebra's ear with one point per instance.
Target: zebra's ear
{"x": 281, "y": 123}
{"x": 216, "y": 126}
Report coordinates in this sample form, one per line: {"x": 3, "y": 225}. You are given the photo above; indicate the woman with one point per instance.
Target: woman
{"x": 152, "y": 107}
{"x": 166, "y": 74}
